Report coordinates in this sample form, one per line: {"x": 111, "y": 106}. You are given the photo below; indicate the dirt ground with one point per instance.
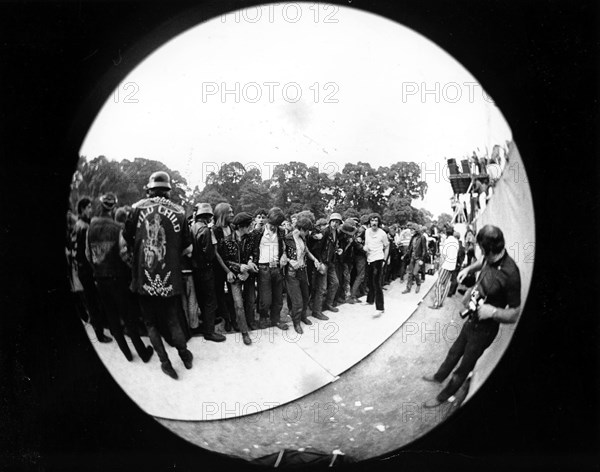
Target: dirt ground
{"x": 372, "y": 409}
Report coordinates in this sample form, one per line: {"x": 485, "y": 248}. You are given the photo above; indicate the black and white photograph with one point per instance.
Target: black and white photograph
{"x": 280, "y": 193}
{"x": 300, "y": 234}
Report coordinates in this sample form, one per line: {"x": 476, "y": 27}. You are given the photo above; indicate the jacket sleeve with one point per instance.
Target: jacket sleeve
{"x": 290, "y": 249}
{"x": 233, "y": 266}
{"x": 256, "y": 237}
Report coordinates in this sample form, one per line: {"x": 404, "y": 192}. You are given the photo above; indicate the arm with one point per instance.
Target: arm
{"x": 123, "y": 250}
{"x": 501, "y": 315}
{"x": 235, "y": 267}
{"x": 386, "y": 248}
{"x": 475, "y": 267}
{"x": 220, "y": 260}
{"x": 88, "y": 252}
{"x": 186, "y": 235}
{"x": 310, "y": 256}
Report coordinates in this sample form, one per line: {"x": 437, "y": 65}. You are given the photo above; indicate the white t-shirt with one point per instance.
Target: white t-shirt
{"x": 449, "y": 253}
{"x": 375, "y": 244}
{"x": 269, "y": 247}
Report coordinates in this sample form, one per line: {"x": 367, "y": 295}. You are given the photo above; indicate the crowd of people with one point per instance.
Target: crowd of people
{"x": 183, "y": 276}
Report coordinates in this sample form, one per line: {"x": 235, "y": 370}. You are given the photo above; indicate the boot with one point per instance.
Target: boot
{"x": 417, "y": 289}
{"x": 228, "y": 327}
{"x": 306, "y": 321}
{"x": 186, "y": 357}
{"x": 102, "y": 337}
{"x": 298, "y": 328}
{"x": 246, "y": 338}
{"x": 167, "y": 368}
{"x": 215, "y": 337}
{"x": 407, "y": 289}
{"x": 148, "y": 354}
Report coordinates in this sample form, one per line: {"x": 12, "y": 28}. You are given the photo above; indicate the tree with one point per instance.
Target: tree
{"x": 442, "y": 220}
{"x": 422, "y": 217}
{"x": 360, "y": 186}
{"x": 210, "y": 196}
{"x": 398, "y": 210}
{"x": 254, "y": 196}
{"x": 297, "y": 186}
{"x": 127, "y": 179}
{"x": 233, "y": 181}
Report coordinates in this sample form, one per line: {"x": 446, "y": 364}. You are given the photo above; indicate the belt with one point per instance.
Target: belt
{"x": 268, "y": 264}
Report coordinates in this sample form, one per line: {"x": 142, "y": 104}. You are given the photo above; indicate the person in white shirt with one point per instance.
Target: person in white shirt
{"x": 376, "y": 246}
{"x": 448, "y": 257}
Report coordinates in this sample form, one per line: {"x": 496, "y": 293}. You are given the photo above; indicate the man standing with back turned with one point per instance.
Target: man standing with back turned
{"x": 158, "y": 234}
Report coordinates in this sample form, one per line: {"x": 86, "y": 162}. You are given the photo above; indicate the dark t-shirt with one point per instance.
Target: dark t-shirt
{"x": 500, "y": 282}
{"x": 159, "y": 233}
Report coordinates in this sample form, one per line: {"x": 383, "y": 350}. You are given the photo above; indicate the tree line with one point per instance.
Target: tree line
{"x": 355, "y": 190}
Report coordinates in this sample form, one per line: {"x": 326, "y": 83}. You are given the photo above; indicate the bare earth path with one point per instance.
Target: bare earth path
{"x": 373, "y": 408}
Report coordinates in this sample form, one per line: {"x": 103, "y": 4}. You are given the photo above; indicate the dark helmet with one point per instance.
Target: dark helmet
{"x": 159, "y": 179}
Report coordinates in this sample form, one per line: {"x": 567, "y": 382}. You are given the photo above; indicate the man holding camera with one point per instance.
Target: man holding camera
{"x": 495, "y": 299}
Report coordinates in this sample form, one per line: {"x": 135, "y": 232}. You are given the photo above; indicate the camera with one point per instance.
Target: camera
{"x": 475, "y": 302}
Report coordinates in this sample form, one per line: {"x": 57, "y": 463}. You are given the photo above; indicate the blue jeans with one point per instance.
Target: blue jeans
{"x": 413, "y": 273}
{"x": 327, "y": 282}
{"x": 360, "y": 263}
{"x": 297, "y": 286}
{"x": 250, "y": 298}
{"x": 270, "y": 289}
{"x": 237, "y": 292}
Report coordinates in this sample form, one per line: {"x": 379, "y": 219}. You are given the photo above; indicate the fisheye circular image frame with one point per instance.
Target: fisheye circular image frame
{"x": 300, "y": 231}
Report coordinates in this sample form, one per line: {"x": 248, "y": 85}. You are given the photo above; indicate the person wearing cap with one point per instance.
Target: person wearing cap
{"x": 158, "y": 235}
{"x": 326, "y": 281}
{"x": 346, "y": 260}
{"x": 376, "y": 246}
{"x": 448, "y": 258}
{"x": 296, "y": 274}
{"x": 269, "y": 256}
{"x": 236, "y": 252}
{"x": 105, "y": 249}
{"x": 415, "y": 255}
{"x": 85, "y": 271}
{"x": 203, "y": 261}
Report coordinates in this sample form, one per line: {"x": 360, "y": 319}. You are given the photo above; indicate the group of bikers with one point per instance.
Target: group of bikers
{"x": 181, "y": 276}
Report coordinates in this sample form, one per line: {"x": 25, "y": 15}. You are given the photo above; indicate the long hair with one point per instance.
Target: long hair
{"x": 220, "y": 213}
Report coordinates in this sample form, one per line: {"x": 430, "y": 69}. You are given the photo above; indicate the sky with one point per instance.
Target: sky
{"x": 316, "y": 83}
